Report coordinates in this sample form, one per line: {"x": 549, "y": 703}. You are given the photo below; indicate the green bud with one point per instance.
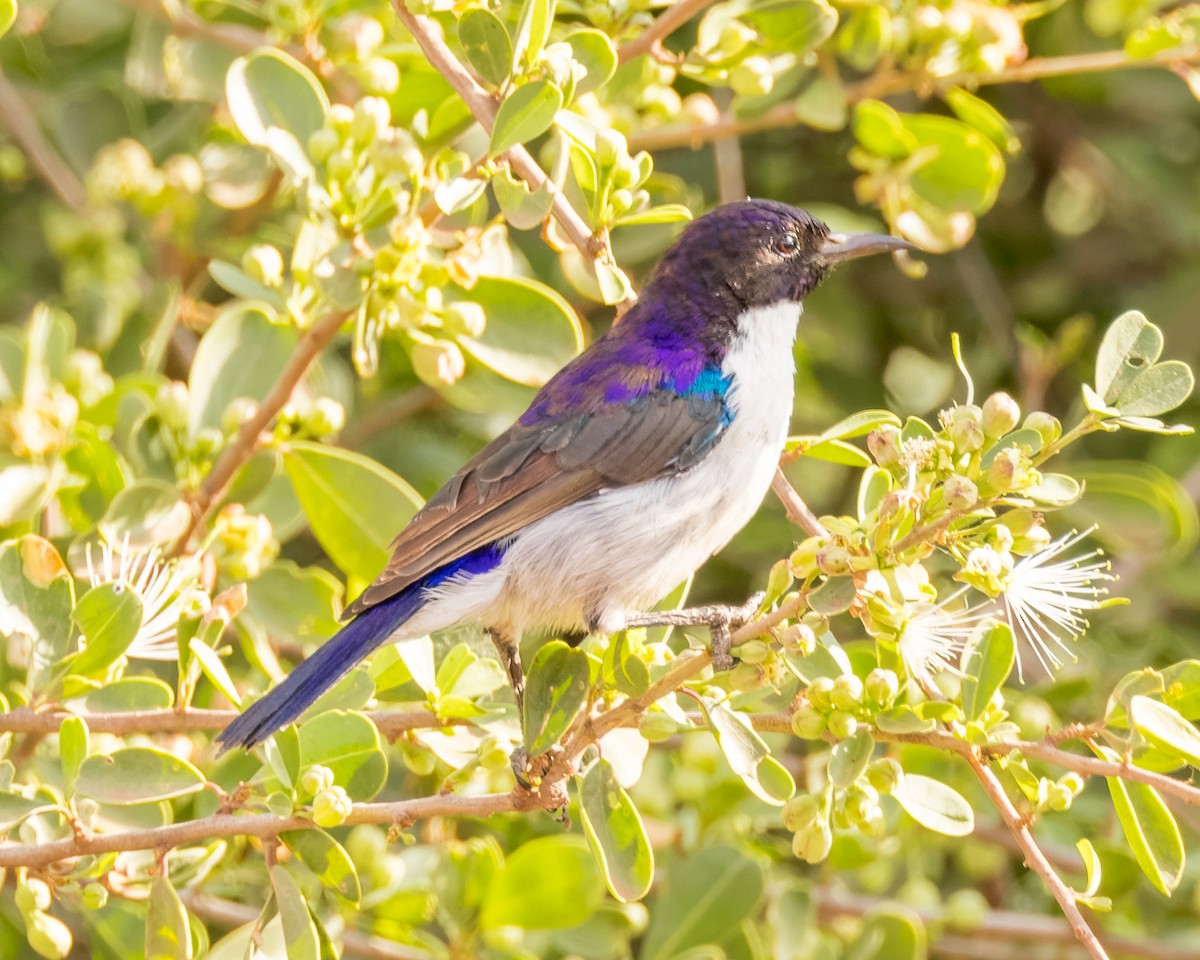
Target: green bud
{"x": 1000, "y": 415}
{"x": 208, "y": 440}
{"x": 656, "y": 726}
{"x": 959, "y": 493}
{"x": 966, "y": 909}
{"x": 493, "y": 754}
{"x": 1072, "y": 782}
{"x": 331, "y": 807}
{"x": 611, "y": 147}
{"x": 752, "y": 651}
{"x": 882, "y": 686}
{"x": 819, "y": 694}
{"x": 813, "y": 843}
{"x": 322, "y": 144}
{"x": 799, "y": 639}
{"x": 1031, "y": 541}
{"x": 833, "y": 559}
{"x": 860, "y": 805}
{"x": 439, "y": 363}
{"x": 465, "y": 318}
{"x": 808, "y": 723}
{"x": 372, "y": 117}
{"x": 94, "y": 896}
{"x": 240, "y": 410}
{"x": 315, "y": 779}
{"x": 1048, "y": 427}
{"x": 842, "y": 724}
{"x": 49, "y": 936}
{"x": 1003, "y": 472}
{"x": 701, "y": 110}
{"x": 397, "y": 152}
{"x": 884, "y": 444}
{"x": 171, "y": 405}
{"x": 847, "y": 692}
{"x": 752, "y": 77}
{"x": 803, "y": 560}
{"x": 183, "y": 174}
{"x": 734, "y": 37}
{"x": 325, "y": 417}
{"x": 920, "y": 892}
{"x": 380, "y": 76}
{"x": 264, "y": 263}
{"x": 966, "y": 435}
{"x": 1058, "y": 797}
{"x": 366, "y": 844}
{"x": 884, "y": 774}
{"x": 800, "y": 811}
{"x": 33, "y": 894}
{"x": 342, "y": 165}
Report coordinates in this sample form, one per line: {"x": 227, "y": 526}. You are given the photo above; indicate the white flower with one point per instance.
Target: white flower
{"x": 165, "y": 587}
{"x": 932, "y": 638}
{"x": 1046, "y": 598}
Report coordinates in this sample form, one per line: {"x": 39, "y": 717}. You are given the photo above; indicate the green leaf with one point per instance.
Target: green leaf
{"x": 109, "y": 616}
{"x": 214, "y": 669}
{"x": 36, "y": 596}
{"x": 241, "y": 355}
{"x": 555, "y": 691}
{"x": 822, "y": 104}
{"x": 148, "y": 513}
{"x": 526, "y": 113}
{"x": 1055, "y": 490}
{"x": 664, "y": 213}
{"x": 235, "y": 280}
{"x": 1165, "y": 728}
{"x": 935, "y": 805}
{"x": 615, "y": 833}
{"x": 167, "y": 934}
{"x": 849, "y": 758}
{"x": 72, "y": 748}
{"x": 832, "y": 597}
{"x": 703, "y": 897}
{"x": 8, "y": 15}
{"x": 613, "y": 283}
{"x": 130, "y": 693}
{"x": 831, "y": 451}
{"x": 748, "y": 756}
{"x": 299, "y": 932}
{"x": 1150, "y": 830}
{"x": 16, "y": 809}
{"x": 531, "y": 330}
{"x": 522, "y": 208}
{"x": 293, "y": 601}
{"x": 880, "y": 130}
{"x": 594, "y": 50}
{"x": 1181, "y": 688}
{"x": 545, "y": 884}
{"x": 269, "y": 91}
{"x": 533, "y": 30}
{"x": 985, "y": 118}
{"x": 1128, "y": 376}
{"x": 348, "y": 744}
{"x": 891, "y": 932}
{"x": 486, "y": 45}
{"x": 792, "y": 26}
{"x": 903, "y": 719}
{"x": 987, "y": 662}
{"x": 1091, "y": 864}
{"x": 24, "y": 490}
{"x": 325, "y": 857}
{"x": 352, "y": 504}
{"x": 965, "y": 169}
{"x": 137, "y": 775}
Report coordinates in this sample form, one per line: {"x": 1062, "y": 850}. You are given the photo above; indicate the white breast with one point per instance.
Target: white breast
{"x": 625, "y": 548}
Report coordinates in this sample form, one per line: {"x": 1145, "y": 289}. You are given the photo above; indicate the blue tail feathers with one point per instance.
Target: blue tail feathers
{"x": 338, "y": 655}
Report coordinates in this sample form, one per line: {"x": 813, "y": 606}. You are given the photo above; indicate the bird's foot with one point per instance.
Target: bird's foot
{"x": 720, "y": 619}
{"x": 530, "y": 771}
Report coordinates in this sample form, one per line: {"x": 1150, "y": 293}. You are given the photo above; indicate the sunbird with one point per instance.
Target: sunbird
{"x": 634, "y": 464}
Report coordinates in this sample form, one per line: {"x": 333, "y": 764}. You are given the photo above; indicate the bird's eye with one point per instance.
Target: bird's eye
{"x": 786, "y": 246}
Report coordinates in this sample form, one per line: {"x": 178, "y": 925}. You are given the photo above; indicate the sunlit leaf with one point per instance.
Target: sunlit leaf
{"x": 137, "y": 775}
{"x": 748, "y": 756}
{"x": 167, "y": 934}
{"x": 486, "y": 44}
{"x": 615, "y": 833}
{"x": 935, "y": 805}
{"x": 525, "y": 114}
{"x": 348, "y": 744}
{"x": 987, "y": 661}
{"x": 1150, "y": 829}
{"x": 545, "y": 884}
{"x": 555, "y": 691}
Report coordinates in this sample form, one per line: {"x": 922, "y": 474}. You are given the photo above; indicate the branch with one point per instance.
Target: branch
{"x": 797, "y": 510}
{"x": 650, "y": 40}
{"x": 316, "y": 338}
{"x": 185, "y": 23}
{"x": 784, "y": 115}
{"x": 484, "y": 106}
{"x": 1034, "y": 858}
{"x": 22, "y": 124}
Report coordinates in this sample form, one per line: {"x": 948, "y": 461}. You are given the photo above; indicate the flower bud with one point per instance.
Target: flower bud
{"x": 884, "y": 444}
{"x": 94, "y": 896}
{"x": 734, "y": 37}
{"x": 372, "y": 116}
{"x": 1072, "y": 782}
{"x": 264, "y": 263}
{"x": 341, "y": 165}
{"x": 325, "y": 417}
{"x": 380, "y": 76}
{"x": 813, "y": 843}
{"x": 700, "y": 109}
{"x": 397, "y": 152}
{"x": 465, "y": 318}
{"x": 493, "y": 754}
{"x": 966, "y": 909}
{"x": 752, "y": 77}
{"x": 819, "y": 694}
{"x": 799, "y": 639}
{"x": 833, "y": 559}
{"x": 171, "y": 405}
{"x": 655, "y": 726}
{"x": 1046, "y": 426}
{"x": 184, "y": 174}
{"x": 884, "y": 774}
{"x": 316, "y": 778}
{"x": 49, "y": 936}
{"x": 882, "y": 686}
{"x": 611, "y": 147}
{"x": 808, "y": 723}
{"x": 842, "y": 724}
{"x": 959, "y": 493}
{"x": 322, "y": 144}
{"x": 331, "y": 807}
{"x": 439, "y": 363}
{"x": 1000, "y": 415}
{"x": 847, "y": 692}
{"x": 1005, "y": 468}
{"x": 800, "y": 811}
{"x": 803, "y": 560}
{"x": 1033, "y": 540}
{"x": 240, "y": 410}
{"x": 752, "y": 651}
{"x": 33, "y": 894}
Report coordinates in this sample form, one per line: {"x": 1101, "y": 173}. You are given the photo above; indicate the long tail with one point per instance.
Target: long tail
{"x": 320, "y": 671}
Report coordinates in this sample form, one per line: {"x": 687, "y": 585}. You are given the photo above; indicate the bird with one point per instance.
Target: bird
{"x": 634, "y": 464}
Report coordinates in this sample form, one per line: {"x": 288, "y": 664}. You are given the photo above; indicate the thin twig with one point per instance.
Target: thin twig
{"x": 650, "y": 40}
{"x": 784, "y": 115}
{"x": 797, "y": 510}
{"x": 484, "y": 107}
{"x": 249, "y": 435}
{"x": 1034, "y": 858}
{"x": 185, "y": 23}
{"x": 22, "y": 124}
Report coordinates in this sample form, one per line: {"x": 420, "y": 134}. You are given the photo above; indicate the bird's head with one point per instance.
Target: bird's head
{"x": 755, "y": 253}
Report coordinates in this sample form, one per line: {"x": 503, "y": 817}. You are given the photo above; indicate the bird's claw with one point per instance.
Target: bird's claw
{"x": 725, "y": 620}
{"x": 530, "y": 771}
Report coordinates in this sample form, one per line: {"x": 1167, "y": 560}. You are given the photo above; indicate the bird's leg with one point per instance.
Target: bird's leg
{"x": 510, "y": 657}
{"x": 720, "y": 619}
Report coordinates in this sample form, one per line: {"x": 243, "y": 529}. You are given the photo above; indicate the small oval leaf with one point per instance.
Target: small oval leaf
{"x": 615, "y": 833}
{"x": 527, "y": 113}
{"x": 935, "y": 806}
{"x": 137, "y": 775}
{"x": 555, "y": 692}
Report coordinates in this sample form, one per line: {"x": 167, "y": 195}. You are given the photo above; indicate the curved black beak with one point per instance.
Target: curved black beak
{"x": 848, "y": 246}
